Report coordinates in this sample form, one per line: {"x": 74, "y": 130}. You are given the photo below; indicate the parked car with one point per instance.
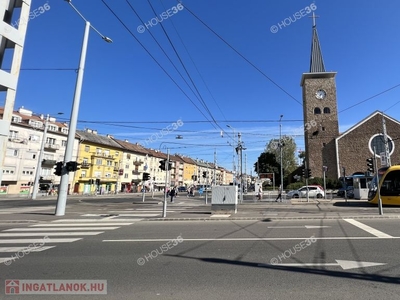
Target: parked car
{"x": 349, "y": 189}
{"x": 182, "y": 189}
{"x": 314, "y": 191}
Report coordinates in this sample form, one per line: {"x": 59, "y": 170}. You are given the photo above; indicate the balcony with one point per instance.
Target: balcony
{"x": 48, "y": 146}
{"x": 137, "y": 162}
{"x": 85, "y": 165}
{"x": 19, "y": 140}
{"x": 102, "y": 155}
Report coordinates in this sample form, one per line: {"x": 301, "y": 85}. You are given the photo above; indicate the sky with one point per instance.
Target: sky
{"x": 204, "y": 65}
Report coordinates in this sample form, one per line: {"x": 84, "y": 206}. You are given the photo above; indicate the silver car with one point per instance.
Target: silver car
{"x": 314, "y": 191}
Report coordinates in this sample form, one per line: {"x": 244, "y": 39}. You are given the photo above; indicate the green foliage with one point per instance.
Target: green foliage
{"x": 330, "y": 183}
{"x": 295, "y": 186}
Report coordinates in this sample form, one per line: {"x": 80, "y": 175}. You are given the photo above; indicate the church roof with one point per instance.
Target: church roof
{"x": 377, "y": 112}
{"x": 316, "y": 61}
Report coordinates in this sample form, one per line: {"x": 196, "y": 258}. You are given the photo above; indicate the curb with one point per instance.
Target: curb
{"x": 272, "y": 218}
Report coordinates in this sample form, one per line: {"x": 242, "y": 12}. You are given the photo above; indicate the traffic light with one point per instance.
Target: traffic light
{"x": 370, "y": 164}
{"x": 91, "y": 181}
{"x": 146, "y": 176}
{"x": 162, "y": 164}
{"x": 308, "y": 173}
{"x": 97, "y": 181}
{"x": 58, "y": 168}
{"x": 169, "y": 165}
{"x": 204, "y": 174}
{"x": 72, "y": 166}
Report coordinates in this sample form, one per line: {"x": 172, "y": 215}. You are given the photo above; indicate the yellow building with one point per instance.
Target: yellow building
{"x": 99, "y": 158}
{"x": 189, "y": 169}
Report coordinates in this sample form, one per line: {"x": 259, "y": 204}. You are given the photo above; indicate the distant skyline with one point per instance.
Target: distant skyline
{"x": 234, "y": 63}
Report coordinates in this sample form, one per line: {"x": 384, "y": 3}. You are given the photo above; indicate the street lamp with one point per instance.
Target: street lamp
{"x": 233, "y": 157}
{"x": 63, "y": 188}
{"x": 280, "y": 147}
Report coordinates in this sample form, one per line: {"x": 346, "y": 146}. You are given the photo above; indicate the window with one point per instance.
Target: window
{"x": 13, "y": 134}
{"x": 317, "y": 111}
{"x": 34, "y": 138}
{"x": 97, "y": 174}
{"x": 99, "y": 161}
{"x": 64, "y": 130}
{"x": 128, "y": 156}
{"x": 16, "y": 119}
{"x": 108, "y": 175}
{"x": 26, "y": 172}
{"x": 98, "y": 151}
{"x": 109, "y": 163}
{"x": 126, "y": 175}
{"x": 126, "y": 166}
{"x": 116, "y": 153}
{"x": 50, "y": 141}
{"x": 327, "y": 110}
{"x": 8, "y": 171}
{"x": 36, "y": 124}
{"x": 378, "y": 142}
{"x": 87, "y": 149}
{"x": 52, "y": 128}
{"x": 64, "y": 143}
{"x": 83, "y": 174}
{"x": 12, "y": 152}
{"x": 106, "y": 152}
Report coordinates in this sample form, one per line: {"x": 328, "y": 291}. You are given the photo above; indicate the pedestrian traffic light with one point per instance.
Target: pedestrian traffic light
{"x": 308, "y": 173}
{"x": 72, "y": 166}
{"x": 370, "y": 165}
{"x": 58, "y": 168}
{"x": 146, "y": 176}
{"x": 204, "y": 174}
{"x": 162, "y": 164}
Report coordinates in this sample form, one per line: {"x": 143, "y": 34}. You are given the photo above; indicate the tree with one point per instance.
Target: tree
{"x": 288, "y": 152}
{"x": 266, "y": 163}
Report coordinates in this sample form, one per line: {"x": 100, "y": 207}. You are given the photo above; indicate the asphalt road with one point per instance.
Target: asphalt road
{"x": 313, "y": 259}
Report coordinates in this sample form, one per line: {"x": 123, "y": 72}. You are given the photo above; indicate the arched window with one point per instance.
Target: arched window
{"x": 317, "y": 111}
{"x": 327, "y": 110}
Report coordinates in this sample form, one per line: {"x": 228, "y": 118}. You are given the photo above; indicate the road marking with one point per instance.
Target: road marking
{"x": 95, "y": 220}
{"x": 301, "y": 226}
{"x": 253, "y": 239}
{"x": 79, "y": 224}
{"x": 220, "y": 216}
{"x": 31, "y": 249}
{"x": 344, "y": 264}
{"x": 24, "y": 210}
{"x": 31, "y": 241}
{"x": 368, "y": 229}
{"x": 58, "y": 229}
{"x": 49, "y": 233}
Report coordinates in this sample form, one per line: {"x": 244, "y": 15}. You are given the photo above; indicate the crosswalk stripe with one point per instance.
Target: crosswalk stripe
{"x": 78, "y": 224}
{"x": 31, "y": 241}
{"x": 95, "y": 220}
{"x": 124, "y": 215}
{"x": 49, "y": 234}
{"x": 61, "y": 229}
{"x": 31, "y": 249}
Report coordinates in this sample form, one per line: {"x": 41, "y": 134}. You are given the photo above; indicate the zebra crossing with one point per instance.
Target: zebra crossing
{"x": 15, "y": 243}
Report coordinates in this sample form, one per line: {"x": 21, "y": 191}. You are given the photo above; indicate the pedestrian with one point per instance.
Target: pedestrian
{"x": 260, "y": 193}
{"x": 279, "y": 194}
{"x": 172, "y": 194}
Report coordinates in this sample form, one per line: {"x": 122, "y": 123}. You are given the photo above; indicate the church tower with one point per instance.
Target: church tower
{"x": 321, "y": 125}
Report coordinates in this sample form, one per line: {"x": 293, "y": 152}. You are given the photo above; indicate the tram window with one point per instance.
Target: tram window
{"x": 391, "y": 185}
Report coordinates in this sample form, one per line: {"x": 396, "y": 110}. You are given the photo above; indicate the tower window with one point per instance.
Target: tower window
{"x": 327, "y": 110}
{"x": 317, "y": 111}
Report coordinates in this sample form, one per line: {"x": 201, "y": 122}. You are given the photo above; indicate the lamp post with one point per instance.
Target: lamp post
{"x": 233, "y": 148}
{"x": 280, "y": 149}
{"x": 63, "y": 188}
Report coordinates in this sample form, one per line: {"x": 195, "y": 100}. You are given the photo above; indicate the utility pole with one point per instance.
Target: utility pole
{"x": 240, "y": 148}
{"x": 245, "y": 172}
{"x": 281, "y": 155}
{"x": 215, "y": 167}
{"x": 385, "y": 138}
{"x": 39, "y": 165}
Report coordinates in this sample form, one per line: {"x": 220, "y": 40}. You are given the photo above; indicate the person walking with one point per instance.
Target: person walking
{"x": 260, "y": 193}
{"x": 279, "y": 194}
{"x": 172, "y": 193}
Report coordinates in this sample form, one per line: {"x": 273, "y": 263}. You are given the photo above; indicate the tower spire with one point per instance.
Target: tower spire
{"x": 316, "y": 61}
